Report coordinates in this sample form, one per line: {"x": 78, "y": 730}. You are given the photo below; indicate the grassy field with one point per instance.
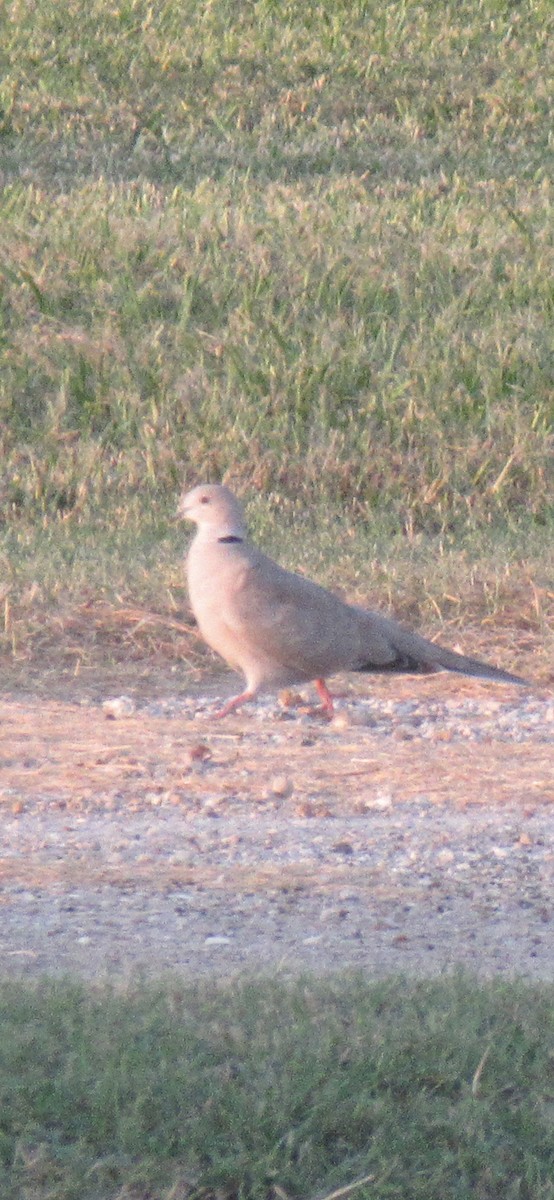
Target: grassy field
{"x": 435, "y": 1091}
{"x": 305, "y": 248}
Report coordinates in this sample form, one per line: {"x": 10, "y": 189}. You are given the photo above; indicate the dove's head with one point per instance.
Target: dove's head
{"x": 214, "y": 509}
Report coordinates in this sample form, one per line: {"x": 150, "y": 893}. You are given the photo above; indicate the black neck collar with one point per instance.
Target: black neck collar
{"x": 232, "y": 537}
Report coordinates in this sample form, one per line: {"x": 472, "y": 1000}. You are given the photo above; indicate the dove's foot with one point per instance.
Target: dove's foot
{"x": 234, "y": 703}
{"x": 326, "y": 698}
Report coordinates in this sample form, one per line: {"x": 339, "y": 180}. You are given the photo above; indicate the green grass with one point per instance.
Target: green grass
{"x": 438, "y": 1091}
{"x": 305, "y": 248}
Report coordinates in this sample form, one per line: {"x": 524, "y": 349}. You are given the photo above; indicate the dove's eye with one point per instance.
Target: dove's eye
{"x": 204, "y": 499}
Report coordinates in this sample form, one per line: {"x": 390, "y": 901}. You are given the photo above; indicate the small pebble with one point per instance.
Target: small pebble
{"x": 198, "y": 752}
{"x": 117, "y": 707}
{"x": 333, "y": 914}
{"x": 281, "y": 786}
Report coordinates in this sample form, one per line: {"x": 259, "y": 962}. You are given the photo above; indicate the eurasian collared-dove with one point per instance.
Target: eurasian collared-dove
{"x": 279, "y": 628}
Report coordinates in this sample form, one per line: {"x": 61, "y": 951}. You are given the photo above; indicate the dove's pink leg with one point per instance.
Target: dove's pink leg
{"x": 235, "y": 703}
{"x": 325, "y": 696}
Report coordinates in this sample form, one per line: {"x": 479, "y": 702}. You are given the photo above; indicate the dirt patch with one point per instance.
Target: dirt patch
{"x": 414, "y": 833}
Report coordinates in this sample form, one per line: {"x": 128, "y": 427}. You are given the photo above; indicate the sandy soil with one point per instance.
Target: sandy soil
{"x": 413, "y": 834}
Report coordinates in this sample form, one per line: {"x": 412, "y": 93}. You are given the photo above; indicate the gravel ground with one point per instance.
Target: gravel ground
{"x": 410, "y": 835}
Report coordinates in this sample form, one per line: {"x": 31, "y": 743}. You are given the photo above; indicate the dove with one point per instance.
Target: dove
{"x": 278, "y": 628}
